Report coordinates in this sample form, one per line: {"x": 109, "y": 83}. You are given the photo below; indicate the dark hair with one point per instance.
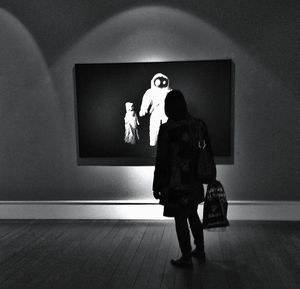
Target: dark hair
{"x": 175, "y": 105}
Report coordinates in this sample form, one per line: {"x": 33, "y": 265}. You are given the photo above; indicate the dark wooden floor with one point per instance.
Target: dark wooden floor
{"x": 123, "y": 254}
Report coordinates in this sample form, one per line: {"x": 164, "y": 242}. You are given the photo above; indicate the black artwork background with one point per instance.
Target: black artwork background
{"x": 103, "y": 89}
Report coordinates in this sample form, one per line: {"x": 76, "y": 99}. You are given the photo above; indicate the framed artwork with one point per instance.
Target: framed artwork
{"x": 119, "y": 107}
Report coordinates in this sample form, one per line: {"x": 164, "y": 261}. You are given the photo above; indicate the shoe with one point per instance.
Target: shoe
{"x": 200, "y": 255}
{"x": 182, "y": 262}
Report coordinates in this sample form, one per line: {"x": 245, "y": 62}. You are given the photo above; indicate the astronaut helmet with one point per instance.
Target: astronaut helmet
{"x": 160, "y": 80}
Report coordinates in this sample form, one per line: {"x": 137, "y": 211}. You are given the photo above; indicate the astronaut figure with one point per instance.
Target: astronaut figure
{"x": 154, "y": 102}
{"x": 131, "y": 124}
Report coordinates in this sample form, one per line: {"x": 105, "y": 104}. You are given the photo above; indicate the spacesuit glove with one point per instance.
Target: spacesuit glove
{"x": 142, "y": 113}
{"x": 156, "y": 195}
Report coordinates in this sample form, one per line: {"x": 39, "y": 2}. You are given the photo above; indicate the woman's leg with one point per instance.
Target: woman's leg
{"x": 197, "y": 229}
{"x": 183, "y": 234}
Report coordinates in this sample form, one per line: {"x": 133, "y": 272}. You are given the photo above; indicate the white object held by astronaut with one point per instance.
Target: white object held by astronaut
{"x": 131, "y": 124}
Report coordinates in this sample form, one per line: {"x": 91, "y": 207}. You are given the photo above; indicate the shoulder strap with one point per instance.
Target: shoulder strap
{"x": 201, "y": 138}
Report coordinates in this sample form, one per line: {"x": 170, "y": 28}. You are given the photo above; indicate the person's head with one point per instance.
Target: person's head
{"x": 160, "y": 81}
{"x": 129, "y": 106}
{"x": 175, "y": 105}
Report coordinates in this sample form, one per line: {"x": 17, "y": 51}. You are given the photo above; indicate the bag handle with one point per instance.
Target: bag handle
{"x": 201, "y": 140}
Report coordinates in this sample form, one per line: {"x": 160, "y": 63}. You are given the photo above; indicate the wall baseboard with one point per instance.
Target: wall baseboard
{"x": 140, "y": 210}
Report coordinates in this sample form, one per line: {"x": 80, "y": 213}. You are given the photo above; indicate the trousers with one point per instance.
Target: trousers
{"x": 182, "y": 218}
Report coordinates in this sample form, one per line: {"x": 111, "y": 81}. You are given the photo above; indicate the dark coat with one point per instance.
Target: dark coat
{"x": 176, "y": 162}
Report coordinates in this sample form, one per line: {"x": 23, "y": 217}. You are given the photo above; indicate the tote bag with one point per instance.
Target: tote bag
{"x": 215, "y": 206}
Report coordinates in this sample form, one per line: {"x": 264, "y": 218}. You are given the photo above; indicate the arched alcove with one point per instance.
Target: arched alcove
{"x": 32, "y": 137}
{"x": 158, "y": 33}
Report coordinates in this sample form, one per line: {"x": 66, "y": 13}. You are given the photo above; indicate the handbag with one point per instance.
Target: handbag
{"x": 215, "y": 206}
{"x": 206, "y": 167}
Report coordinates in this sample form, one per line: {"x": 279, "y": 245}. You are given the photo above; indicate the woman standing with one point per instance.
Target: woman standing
{"x": 175, "y": 179}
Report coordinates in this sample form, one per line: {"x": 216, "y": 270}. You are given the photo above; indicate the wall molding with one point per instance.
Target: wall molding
{"x": 140, "y": 209}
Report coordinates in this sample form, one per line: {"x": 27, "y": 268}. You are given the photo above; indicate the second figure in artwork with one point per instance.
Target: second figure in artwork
{"x": 131, "y": 124}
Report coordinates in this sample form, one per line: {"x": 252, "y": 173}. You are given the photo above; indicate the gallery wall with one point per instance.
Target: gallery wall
{"x": 42, "y": 40}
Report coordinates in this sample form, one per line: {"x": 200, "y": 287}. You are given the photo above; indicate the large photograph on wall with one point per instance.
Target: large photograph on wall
{"x": 119, "y": 107}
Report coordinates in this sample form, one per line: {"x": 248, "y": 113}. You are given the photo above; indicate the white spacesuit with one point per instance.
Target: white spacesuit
{"x": 131, "y": 124}
{"x": 154, "y": 101}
